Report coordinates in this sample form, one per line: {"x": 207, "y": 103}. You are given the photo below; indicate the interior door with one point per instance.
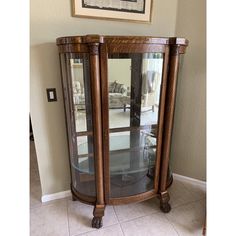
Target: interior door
{"x": 133, "y": 95}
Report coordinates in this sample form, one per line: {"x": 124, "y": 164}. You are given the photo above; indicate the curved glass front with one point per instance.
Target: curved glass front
{"x": 82, "y": 160}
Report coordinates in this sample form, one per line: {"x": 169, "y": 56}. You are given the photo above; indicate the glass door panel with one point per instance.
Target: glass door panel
{"x": 82, "y": 162}
{"x": 134, "y": 84}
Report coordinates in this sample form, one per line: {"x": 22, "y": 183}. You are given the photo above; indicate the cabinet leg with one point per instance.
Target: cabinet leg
{"x": 98, "y": 213}
{"x": 164, "y": 202}
{"x": 74, "y": 198}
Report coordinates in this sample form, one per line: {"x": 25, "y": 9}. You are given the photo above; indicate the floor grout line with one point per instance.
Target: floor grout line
{"x": 137, "y": 216}
{"x": 157, "y": 211}
{"x": 122, "y": 229}
{"x": 125, "y": 221}
{"x": 186, "y": 204}
{"x": 171, "y": 224}
{"x": 118, "y": 221}
{"x": 116, "y": 214}
{"x": 103, "y": 227}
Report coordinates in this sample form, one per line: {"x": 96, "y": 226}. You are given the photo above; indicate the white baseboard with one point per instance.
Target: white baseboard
{"x": 55, "y": 196}
{"x": 189, "y": 180}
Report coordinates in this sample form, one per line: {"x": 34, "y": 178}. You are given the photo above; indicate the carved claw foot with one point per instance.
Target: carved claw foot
{"x": 97, "y": 222}
{"x": 165, "y": 207}
{"x": 164, "y": 199}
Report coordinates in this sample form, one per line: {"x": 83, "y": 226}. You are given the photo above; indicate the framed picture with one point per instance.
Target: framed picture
{"x": 131, "y": 10}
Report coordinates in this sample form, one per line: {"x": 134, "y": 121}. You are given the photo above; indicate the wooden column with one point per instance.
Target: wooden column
{"x": 161, "y": 110}
{"x": 97, "y": 132}
{"x": 168, "y": 125}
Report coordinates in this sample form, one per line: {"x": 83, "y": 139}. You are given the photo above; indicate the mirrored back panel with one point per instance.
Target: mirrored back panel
{"x": 134, "y": 87}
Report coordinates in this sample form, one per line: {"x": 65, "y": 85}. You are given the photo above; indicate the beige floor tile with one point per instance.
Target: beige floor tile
{"x": 197, "y": 190}
{"x": 32, "y": 151}
{"x": 35, "y": 196}
{"x": 34, "y": 177}
{"x": 34, "y": 172}
{"x": 154, "y": 224}
{"x": 131, "y": 211}
{"x": 113, "y": 230}
{"x": 81, "y": 215}
{"x": 35, "y": 186}
{"x": 180, "y": 195}
{"x": 204, "y": 202}
{"x": 188, "y": 219}
{"x": 49, "y": 220}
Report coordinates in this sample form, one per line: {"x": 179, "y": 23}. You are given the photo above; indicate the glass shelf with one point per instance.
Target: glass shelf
{"x": 124, "y": 159}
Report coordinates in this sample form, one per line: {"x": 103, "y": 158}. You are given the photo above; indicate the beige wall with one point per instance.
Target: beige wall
{"x": 48, "y": 120}
{"x": 120, "y": 71}
{"x": 189, "y": 135}
{"x": 51, "y": 19}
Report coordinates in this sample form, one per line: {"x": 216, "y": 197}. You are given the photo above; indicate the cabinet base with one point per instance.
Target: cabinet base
{"x": 98, "y": 213}
{"x": 74, "y": 198}
{"x": 164, "y": 202}
{"x": 165, "y": 207}
{"x": 97, "y": 222}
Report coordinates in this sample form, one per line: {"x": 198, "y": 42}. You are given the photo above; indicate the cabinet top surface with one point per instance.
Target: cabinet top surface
{"x": 121, "y": 39}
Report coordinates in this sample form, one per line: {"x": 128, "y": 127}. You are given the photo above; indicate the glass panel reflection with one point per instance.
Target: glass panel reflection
{"x": 82, "y": 162}
{"x": 81, "y": 94}
{"x": 134, "y": 82}
{"x": 151, "y": 86}
{"x": 119, "y": 79}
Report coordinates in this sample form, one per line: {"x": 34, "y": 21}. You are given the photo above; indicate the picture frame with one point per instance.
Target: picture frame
{"x": 123, "y": 10}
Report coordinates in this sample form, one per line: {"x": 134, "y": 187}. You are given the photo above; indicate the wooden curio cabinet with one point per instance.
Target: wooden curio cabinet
{"x": 119, "y": 95}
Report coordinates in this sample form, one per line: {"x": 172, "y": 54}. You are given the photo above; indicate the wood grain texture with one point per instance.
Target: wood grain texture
{"x": 73, "y": 48}
{"x": 131, "y": 199}
{"x": 97, "y": 121}
{"x": 159, "y": 133}
{"x": 105, "y": 119}
{"x": 111, "y": 39}
{"x": 169, "y": 115}
{"x": 135, "y": 48}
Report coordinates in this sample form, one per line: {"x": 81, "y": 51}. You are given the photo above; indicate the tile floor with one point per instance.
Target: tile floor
{"x": 67, "y": 218}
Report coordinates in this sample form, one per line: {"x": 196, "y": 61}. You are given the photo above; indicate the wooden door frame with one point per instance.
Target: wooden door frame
{"x": 137, "y": 48}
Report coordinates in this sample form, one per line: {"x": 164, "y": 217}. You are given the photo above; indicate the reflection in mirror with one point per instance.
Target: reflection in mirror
{"x": 85, "y": 155}
{"x": 82, "y": 142}
{"x": 81, "y": 95}
{"x": 137, "y": 83}
{"x": 151, "y": 86}
{"x": 119, "y": 80}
